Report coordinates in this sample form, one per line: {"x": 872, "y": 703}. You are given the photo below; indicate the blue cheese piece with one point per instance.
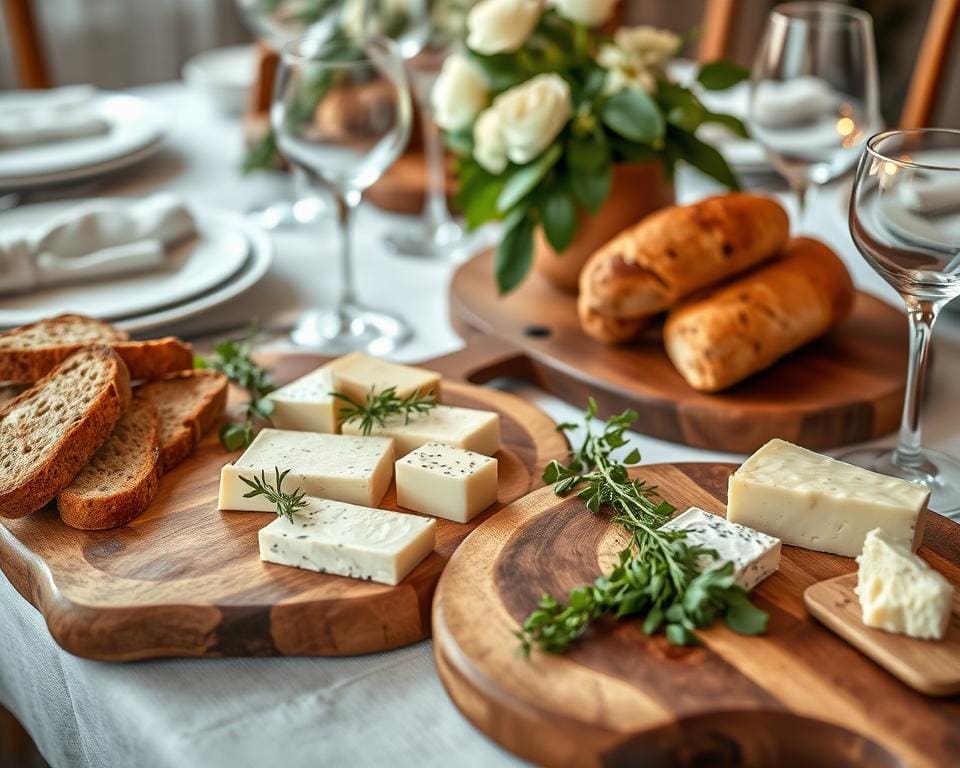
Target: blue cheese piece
{"x": 356, "y": 470}
{"x": 446, "y": 482}
{"x": 467, "y": 428}
{"x": 349, "y": 540}
{"x": 754, "y": 555}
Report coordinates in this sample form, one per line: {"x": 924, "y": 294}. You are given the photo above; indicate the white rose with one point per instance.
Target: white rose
{"x": 501, "y": 26}
{"x": 459, "y": 93}
{"x": 489, "y": 147}
{"x": 532, "y": 114}
{"x": 647, "y": 46}
{"x": 590, "y": 13}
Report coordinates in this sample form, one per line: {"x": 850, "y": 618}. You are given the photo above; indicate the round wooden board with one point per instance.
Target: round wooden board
{"x": 846, "y": 387}
{"x": 798, "y": 695}
{"x": 184, "y": 579}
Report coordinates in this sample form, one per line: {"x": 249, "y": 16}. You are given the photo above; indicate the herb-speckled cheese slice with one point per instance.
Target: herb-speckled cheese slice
{"x": 446, "y": 481}
{"x": 306, "y": 403}
{"x": 754, "y": 555}
{"x": 467, "y": 428}
{"x": 356, "y": 470}
{"x": 349, "y": 540}
{"x": 357, "y": 375}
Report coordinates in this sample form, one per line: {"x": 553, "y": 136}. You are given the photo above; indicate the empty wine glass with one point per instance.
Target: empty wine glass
{"x": 342, "y": 112}
{"x": 905, "y": 220}
{"x": 814, "y": 95}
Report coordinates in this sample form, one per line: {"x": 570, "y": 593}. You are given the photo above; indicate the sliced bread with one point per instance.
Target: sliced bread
{"x": 189, "y": 403}
{"x": 50, "y": 431}
{"x": 122, "y": 477}
{"x": 30, "y": 352}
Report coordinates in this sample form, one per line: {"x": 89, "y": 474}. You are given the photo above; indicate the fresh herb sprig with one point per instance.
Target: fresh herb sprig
{"x": 657, "y": 575}
{"x": 379, "y": 406}
{"x": 287, "y": 504}
{"x": 234, "y": 359}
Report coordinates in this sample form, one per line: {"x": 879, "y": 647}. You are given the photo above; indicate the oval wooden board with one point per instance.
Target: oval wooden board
{"x": 844, "y": 388}
{"x": 184, "y": 579}
{"x": 798, "y": 695}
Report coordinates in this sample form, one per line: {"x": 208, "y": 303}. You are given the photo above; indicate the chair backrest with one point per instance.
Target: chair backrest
{"x": 932, "y": 61}
{"x": 29, "y": 60}
{"x": 716, "y": 29}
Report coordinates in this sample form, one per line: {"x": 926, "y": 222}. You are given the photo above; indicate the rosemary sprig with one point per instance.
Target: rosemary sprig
{"x": 287, "y": 504}
{"x": 657, "y": 575}
{"x": 233, "y": 358}
{"x": 379, "y": 406}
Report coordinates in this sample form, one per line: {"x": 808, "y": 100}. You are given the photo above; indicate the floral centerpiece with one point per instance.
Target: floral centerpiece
{"x": 542, "y": 104}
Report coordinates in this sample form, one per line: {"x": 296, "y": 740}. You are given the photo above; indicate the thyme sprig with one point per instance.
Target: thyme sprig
{"x": 379, "y": 406}
{"x": 658, "y": 574}
{"x": 287, "y": 504}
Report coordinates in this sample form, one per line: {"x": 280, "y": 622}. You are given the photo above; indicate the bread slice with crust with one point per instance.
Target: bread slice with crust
{"x": 49, "y": 432}
{"x": 30, "y": 352}
{"x": 189, "y": 402}
{"x": 122, "y": 477}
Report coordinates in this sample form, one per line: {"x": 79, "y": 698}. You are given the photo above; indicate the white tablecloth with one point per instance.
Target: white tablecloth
{"x": 386, "y": 709}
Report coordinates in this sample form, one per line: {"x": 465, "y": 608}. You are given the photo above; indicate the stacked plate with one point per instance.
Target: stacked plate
{"x": 229, "y": 256}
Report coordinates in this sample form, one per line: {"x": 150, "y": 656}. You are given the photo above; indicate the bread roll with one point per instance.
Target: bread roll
{"x": 674, "y": 252}
{"x": 751, "y": 322}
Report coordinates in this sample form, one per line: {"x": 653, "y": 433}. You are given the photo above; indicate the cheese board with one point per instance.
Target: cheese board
{"x": 846, "y": 387}
{"x": 184, "y": 579}
{"x": 796, "y": 695}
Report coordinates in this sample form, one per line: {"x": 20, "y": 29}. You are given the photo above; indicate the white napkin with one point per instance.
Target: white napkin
{"x": 791, "y": 102}
{"x": 102, "y": 239}
{"x": 926, "y": 195}
{"x": 38, "y": 117}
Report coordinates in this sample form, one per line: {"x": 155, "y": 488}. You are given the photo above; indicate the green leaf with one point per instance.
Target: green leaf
{"x": 526, "y": 179}
{"x": 744, "y": 617}
{"x": 559, "y": 218}
{"x": 721, "y": 74}
{"x": 677, "y": 634}
{"x": 514, "y": 255}
{"x": 481, "y": 207}
{"x": 733, "y": 124}
{"x": 233, "y": 437}
{"x": 588, "y": 153}
{"x": 703, "y": 157}
{"x": 634, "y": 115}
{"x": 459, "y": 142}
{"x": 592, "y": 188}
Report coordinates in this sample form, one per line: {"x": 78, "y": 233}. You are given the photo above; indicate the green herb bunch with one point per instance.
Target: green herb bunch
{"x": 234, "y": 359}
{"x": 379, "y": 406}
{"x": 287, "y": 504}
{"x": 657, "y": 575}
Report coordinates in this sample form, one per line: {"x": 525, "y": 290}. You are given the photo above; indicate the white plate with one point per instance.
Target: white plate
{"x": 220, "y": 252}
{"x": 137, "y": 128}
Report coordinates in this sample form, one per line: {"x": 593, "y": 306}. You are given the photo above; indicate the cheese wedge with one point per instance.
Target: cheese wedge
{"x": 357, "y": 375}
{"x": 467, "y": 428}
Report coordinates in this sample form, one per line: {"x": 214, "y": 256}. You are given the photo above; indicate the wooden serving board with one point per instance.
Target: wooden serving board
{"x": 930, "y": 667}
{"x": 844, "y": 388}
{"x": 184, "y": 579}
{"x": 798, "y": 695}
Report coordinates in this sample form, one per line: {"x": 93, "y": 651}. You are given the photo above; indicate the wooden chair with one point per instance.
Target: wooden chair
{"x": 29, "y": 60}
{"x": 932, "y": 62}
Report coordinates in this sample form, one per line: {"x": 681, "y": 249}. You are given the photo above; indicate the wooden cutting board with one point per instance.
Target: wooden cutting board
{"x": 798, "y": 695}
{"x": 844, "y": 388}
{"x": 184, "y": 579}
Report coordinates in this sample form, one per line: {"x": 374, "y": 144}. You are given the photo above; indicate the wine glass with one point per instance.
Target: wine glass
{"x": 814, "y": 93}
{"x": 905, "y": 220}
{"x": 342, "y": 112}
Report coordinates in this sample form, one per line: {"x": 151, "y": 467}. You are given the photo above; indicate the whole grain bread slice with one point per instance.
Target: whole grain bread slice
{"x": 31, "y": 351}
{"x": 122, "y": 477}
{"x": 189, "y": 403}
{"x": 50, "y": 431}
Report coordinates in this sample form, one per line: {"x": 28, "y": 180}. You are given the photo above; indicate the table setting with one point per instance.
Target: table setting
{"x": 482, "y": 382}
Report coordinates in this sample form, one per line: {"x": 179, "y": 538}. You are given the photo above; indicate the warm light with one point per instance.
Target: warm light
{"x": 845, "y": 126}
{"x": 890, "y": 168}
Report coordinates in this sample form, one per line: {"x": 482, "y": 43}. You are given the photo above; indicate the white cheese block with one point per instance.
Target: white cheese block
{"x": 813, "y": 501}
{"x": 466, "y": 428}
{"x": 306, "y": 403}
{"x": 357, "y": 470}
{"x": 347, "y": 540}
{"x": 446, "y": 482}
{"x": 754, "y": 555}
{"x": 357, "y": 375}
{"x": 899, "y": 592}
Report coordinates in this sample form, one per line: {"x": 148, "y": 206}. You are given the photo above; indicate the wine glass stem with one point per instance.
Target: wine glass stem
{"x": 922, "y": 314}
{"x": 346, "y": 204}
{"x": 436, "y": 212}
{"x": 802, "y": 193}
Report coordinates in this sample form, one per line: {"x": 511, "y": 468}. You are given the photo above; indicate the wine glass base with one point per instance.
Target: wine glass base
{"x": 287, "y": 214}
{"x": 351, "y": 329}
{"x": 447, "y": 242}
{"x": 937, "y": 471}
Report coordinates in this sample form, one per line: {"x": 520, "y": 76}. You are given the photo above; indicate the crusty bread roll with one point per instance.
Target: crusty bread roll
{"x": 674, "y": 252}
{"x": 746, "y": 325}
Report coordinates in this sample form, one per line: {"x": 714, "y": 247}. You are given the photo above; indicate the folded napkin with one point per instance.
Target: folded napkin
{"x": 38, "y": 117}
{"x": 931, "y": 195}
{"x": 102, "y": 239}
{"x": 791, "y": 102}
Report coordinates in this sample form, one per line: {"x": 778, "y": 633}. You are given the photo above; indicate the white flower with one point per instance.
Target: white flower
{"x": 532, "y": 114}
{"x": 590, "y": 13}
{"x": 637, "y": 55}
{"x": 489, "y": 146}
{"x": 501, "y": 26}
{"x": 459, "y": 93}
{"x": 359, "y": 18}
